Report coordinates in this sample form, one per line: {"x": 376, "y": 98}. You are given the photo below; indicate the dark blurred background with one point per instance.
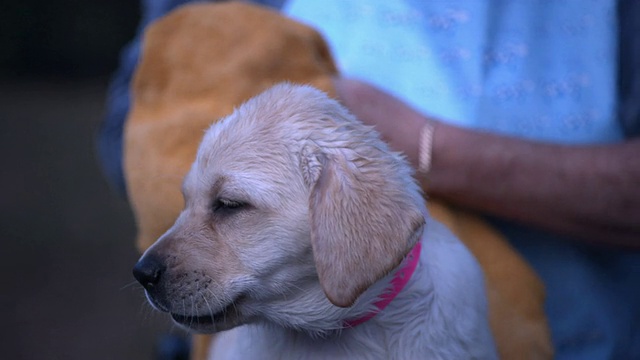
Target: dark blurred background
{"x": 67, "y": 240}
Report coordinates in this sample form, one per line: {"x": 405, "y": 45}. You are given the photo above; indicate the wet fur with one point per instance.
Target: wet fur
{"x": 328, "y": 212}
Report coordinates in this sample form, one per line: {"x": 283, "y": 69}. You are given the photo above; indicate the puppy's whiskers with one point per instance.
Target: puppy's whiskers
{"x": 184, "y": 307}
{"x": 208, "y": 306}
{"x": 131, "y": 284}
{"x": 194, "y": 315}
{"x": 216, "y": 298}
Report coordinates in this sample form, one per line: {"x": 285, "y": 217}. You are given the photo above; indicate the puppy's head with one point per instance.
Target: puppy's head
{"x": 293, "y": 209}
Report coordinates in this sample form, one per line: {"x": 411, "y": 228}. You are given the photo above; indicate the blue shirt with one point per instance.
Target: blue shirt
{"x": 543, "y": 70}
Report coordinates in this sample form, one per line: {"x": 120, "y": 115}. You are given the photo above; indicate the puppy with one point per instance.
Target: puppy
{"x": 304, "y": 236}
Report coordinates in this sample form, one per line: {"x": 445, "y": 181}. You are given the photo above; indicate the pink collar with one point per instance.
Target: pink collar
{"x": 399, "y": 281}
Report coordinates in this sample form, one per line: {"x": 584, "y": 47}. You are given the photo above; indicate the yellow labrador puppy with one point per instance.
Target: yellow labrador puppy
{"x": 305, "y": 237}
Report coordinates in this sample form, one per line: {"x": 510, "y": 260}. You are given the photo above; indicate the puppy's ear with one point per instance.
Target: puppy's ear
{"x": 363, "y": 222}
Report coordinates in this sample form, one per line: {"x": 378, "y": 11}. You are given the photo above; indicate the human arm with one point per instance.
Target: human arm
{"x": 591, "y": 193}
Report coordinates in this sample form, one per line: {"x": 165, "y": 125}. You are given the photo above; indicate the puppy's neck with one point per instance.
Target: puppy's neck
{"x": 402, "y": 276}
{"x": 388, "y": 293}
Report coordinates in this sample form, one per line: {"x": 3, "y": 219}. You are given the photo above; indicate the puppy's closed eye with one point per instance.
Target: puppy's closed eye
{"x": 224, "y": 206}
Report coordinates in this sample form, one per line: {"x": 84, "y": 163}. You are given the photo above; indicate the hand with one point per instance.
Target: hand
{"x": 399, "y": 124}
{"x": 587, "y": 192}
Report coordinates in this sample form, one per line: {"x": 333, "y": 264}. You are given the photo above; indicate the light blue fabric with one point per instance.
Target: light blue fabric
{"x": 536, "y": 69}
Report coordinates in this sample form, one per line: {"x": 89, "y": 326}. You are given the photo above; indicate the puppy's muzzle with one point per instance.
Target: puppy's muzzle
{"x": 149, "y": 272}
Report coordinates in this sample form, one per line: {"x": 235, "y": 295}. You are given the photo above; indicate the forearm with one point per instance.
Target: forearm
{"x": 590, "y": 192}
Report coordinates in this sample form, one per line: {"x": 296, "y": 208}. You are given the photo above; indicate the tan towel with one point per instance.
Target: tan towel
{"x": 201, "y": 61}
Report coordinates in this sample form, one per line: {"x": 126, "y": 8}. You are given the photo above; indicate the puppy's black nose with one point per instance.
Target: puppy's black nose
{"x": 148, "y": 271}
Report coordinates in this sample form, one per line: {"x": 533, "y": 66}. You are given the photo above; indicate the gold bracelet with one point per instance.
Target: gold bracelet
{"x": 426, "y": 148}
